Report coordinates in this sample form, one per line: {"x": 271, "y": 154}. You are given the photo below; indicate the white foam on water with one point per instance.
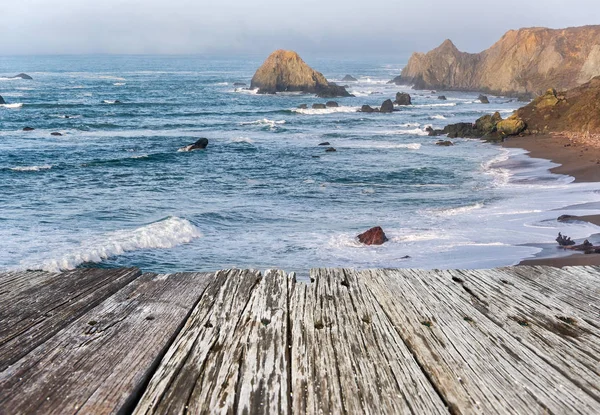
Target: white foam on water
{"x": 32, "y": 168}
{"x": 165, "y": 234}
{"x": 108, "y": 101}
{"x": 16, "y": 105}
{"x": 246, "y": 91}
{"x": 141, "y": 156}
{"x": 457, "y": 210}
{"x": 410, "y": 124}
{"x": 414, "y": 131}
{"x": 242, "y": 140}
{"x": 222, "y": 83}
{"x": 324, "y": 111}
{"x": 450, "y": 104}
{"x": 438, "y": 117}
{"x": 115, "y": 78}
{"x": 380, "y": 144}
{"x": 265, "y": 121}
{"x": 119, "y": 83}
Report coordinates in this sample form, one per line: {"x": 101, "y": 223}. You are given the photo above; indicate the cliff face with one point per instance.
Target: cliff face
{"x": 525, "y": 61}
{"x": 573, "y": 111}
{"x": 286, "y": 71}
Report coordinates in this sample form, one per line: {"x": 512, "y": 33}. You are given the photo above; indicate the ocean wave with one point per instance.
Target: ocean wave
{"x": 450, "y": 104}
{"x": 32, "y": 168}
{"x": 265, "y": 121}
{"x": 415, "y": 131}
{"x": 332, "y": 110}
{"x": 17, "y": 105}
{"x": 382, "y": 145}
{"x": 108, "y": 101}
{"x": 119, "y": 83}
{"x": 242, "y": 140}
{"x": 165, "y": 234}
{"x": 437, "y": 117}
{"x": 409, "y": 235}
{"x": 246, "y": 91}
{"x": 458, "y": 210}
{"x": 141, "y": 156}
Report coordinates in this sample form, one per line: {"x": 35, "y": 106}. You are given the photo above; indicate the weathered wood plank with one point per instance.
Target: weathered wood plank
{"x": 100, "y": 363}
{"x": 35, "y": 313}
{"x": 550, "y": 328}
{"x": 347, "y": 357}
{"x": 231, "y": 355}
{"x": 14, "y": 282}
{"x": 476, "y": 365}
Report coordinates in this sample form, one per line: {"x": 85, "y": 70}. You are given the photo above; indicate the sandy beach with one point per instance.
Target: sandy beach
{"x": 578, "y": 157}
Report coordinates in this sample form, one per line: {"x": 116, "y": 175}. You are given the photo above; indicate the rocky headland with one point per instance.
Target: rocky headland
{"x": 523, "y": 62}
{"x": 285, "y": 71}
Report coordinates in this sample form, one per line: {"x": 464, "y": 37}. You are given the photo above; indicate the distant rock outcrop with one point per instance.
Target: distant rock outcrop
{"x": 387, "y": 106}
{"x": 201, "y": 144}
{"x": 349, "y": 78}
{"x": 402, "y": 98}
{"x": 23, "y": 76}
{"x": 522, "y": 62}
{"x": 574, "y": 111}
{"x": 2, "y": 102}
{"x": 285, "y": 71}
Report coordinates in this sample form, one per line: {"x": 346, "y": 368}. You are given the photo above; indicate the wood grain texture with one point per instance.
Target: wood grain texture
{"x": 32, "y": 311}
{"x": 100, "y": 362}
{"x": 346, "y": 355}
{"x": 231, "y": 355}
{"x": 478, "y": 364}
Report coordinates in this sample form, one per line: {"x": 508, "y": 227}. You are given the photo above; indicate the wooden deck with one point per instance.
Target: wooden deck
{"x": 523, "y": 340}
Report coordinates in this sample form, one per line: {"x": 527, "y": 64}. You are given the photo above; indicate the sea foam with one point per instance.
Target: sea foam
{"x": 323, "y": 111}
{"x": 17, "y": 105}
{"x": 32, "y": 168}
{"x": 165, "y": 234}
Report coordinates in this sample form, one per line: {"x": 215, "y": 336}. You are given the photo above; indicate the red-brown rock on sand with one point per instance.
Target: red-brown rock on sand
{"x": 374, "y": 236}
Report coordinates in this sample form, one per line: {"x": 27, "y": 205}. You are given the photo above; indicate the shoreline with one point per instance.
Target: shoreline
{"x": 578, "y": 158}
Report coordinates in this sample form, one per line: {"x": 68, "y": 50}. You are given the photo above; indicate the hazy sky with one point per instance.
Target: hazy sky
{"x": 344, "y": 27}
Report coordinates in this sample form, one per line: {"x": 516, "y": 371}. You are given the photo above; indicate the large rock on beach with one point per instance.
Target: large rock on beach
{"x": 285, "y": 71}
{"x": 402, "y": 98}
{"x": 522, "y": 62}
{"x": 511, "y": 126}
{"x": 387, "y": 106}
{"x": 23, "y": 76}
{"x": 374, "y": 236}
{"x": 201, "y": 144}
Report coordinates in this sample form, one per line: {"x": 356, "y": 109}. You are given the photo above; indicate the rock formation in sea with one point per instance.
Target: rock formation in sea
{"x": 374, "y": 236}
{"x": 526, "y": 61}
{"x": 387, "y": 106}
{"x": 349, "y": 78}
{"x": 2, "y": 100}
{"x": 402, "y": 98}
{"x": 487, "y": 127}
{"x": 23, "y": 76}
{"x": 286, "y": 71}
{"x": 201, "y": 144}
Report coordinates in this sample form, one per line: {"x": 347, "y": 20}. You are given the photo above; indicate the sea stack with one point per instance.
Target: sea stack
{"x": 285, "y": 71}
{"x": 525, "y": 61}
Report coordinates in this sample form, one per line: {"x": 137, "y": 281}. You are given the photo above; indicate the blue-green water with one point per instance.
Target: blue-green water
{"x": 114, "y": 190}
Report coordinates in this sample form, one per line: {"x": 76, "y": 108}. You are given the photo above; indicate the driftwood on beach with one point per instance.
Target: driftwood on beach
{"x": 512, "y": 340}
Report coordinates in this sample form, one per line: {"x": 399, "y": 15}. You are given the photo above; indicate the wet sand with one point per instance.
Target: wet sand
{"x": 579, "y": 158}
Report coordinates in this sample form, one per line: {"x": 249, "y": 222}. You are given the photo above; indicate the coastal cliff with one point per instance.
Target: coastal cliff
{"x": 285, "y": 71}
{"x": 526, "y": 61}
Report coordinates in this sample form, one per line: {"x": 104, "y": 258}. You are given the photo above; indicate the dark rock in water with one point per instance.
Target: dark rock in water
{"x": 117, "y": 102}
{"x": 567, "y": 218}
{"x": 374, "y": 236}
{"x": 56, "y": 134}
{"x": 406, "y": 257}
{"x": 442, "y": 98}
{"x": 397, "y": 80}
{"x": 332, "y": 104}
{"x": 461, "y": 129}
{"x": 330, "y": 150}
{"x": 349, "y": 78}
{"x": 23, "y": 76}
{"x": 201, "y": 144}
{"x": 319, "y": 106}
{"x": 483, "y": 99}
{"x": 333, "y": 91}
{"x": 564, "y": 240}
{"x": 387, "y": 106}
{"x": 67, "y": 116}
{"x": 403, "y": 98}
{"x": 2, "y": 102}
{"x": 326, "y": 143}
{"x": 239, "y": 84}
{"x": 28, "y": 129}
{"x": 367, "y": 108}
{"x": 444, "y": 143}
{"x": 303, "y": 106}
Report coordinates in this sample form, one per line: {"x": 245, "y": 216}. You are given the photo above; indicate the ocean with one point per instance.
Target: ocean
{"x": 114, "y": 190}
